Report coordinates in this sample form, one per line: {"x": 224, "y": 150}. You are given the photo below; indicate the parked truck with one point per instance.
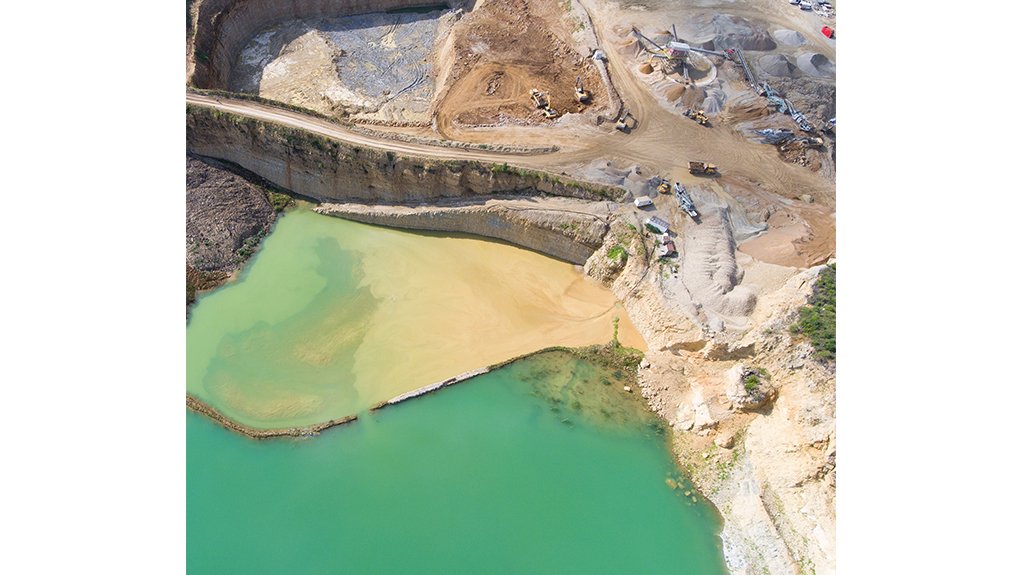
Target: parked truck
{"x": 702, "y": 168}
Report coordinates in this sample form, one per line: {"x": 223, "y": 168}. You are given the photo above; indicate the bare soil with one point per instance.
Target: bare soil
{"x": 227, "y": 216}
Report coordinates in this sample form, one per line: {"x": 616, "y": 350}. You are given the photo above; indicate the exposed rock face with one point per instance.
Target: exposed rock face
{"x": 770, "y": 472}
{"x": 327, "y": 170}
{"x": 745, "y": 396}
{"x": 550, "y": 226}
{"x": 223, "y": 27}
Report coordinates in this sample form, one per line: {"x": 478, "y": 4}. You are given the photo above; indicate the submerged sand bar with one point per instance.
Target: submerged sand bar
{"x": 333, "y": 317}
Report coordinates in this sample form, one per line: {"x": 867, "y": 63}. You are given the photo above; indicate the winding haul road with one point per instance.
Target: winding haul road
{"x": 662, "y": 141}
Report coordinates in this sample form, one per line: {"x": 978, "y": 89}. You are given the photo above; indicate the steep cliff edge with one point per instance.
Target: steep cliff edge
{"x": 769, "y": 466}
{"x": 328, "y": 170}
{"x": 570, "y": 230}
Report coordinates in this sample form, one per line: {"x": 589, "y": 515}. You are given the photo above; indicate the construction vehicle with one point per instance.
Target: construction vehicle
{"x": 699, "y": 116}
{"x": 622, "y": 121}
{"x": 550, "y": 113}
{"x": 580, "y": 91}
{"x": 539, "y": 98}
{"x": 702, "y": 169}
{"x": 684, "y": 200}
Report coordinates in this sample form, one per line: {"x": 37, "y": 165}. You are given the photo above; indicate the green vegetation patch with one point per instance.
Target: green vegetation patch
{"x": 279, "y": 201}
{"x": 818, "y": 319}
{"x": 753, "y": 378}
{"x": 618, "y": 252}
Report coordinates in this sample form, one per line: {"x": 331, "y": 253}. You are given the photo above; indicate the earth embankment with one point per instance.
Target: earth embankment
{"x": 328, "y": 170}
{"x": 566, "y": 229}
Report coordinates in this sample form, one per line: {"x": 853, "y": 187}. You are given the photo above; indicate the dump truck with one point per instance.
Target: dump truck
{"x": 699, "y": 116}
{"x": 702, "y": 168}
{"x": 580, "y": 91}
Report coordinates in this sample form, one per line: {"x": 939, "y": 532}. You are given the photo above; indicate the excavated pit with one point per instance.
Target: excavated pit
{"x": 378, "y": 65}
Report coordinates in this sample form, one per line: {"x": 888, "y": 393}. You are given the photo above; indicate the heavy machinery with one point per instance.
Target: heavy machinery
{"x": 699, "y": 116}
{"x": 702, "y": 169}
{"x": 622, "y": 121}
{"x": 659, "y": 185}
{"x": 539, "y": 98}
{"x": 684, "y": 200}
{"x": 543, "y": 103}
{"x": 580, "y": 91}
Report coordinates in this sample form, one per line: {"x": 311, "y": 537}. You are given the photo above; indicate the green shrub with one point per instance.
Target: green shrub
{"x": 279, "y": 201}
{"x": 818, "y": 320}
{"x": 618, "y": 252}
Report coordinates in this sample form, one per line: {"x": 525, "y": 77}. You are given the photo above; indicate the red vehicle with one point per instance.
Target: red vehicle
{"x": 828, "y": 32}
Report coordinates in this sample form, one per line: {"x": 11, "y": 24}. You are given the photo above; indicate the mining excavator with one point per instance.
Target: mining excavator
{"x": 622, "y": 121}
{"x": 543, "y": 103}
{"x": 539, "y": 98}
{"x": 659, "y": 184}
{"x": 699, "y": 116}
{"x": 702, "y": 168}
{"x": 580, "y": 91}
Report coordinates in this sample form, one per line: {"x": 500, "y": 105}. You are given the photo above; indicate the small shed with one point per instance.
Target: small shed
{"x": 643, "y": 201}
{"x": 658, "y": 224}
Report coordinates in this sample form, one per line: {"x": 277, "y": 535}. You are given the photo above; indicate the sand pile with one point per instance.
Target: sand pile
{"x": 674, "y": 92}
{"x": 693, "y": 97}
{"x": 789, "y": 37}
{"x": 727, "y": 31}
{"x": 816, "y": 65}
{"x": 714, "y": 101}
{"x": 777, "y": 65}
{"x": 646, "y": 68}
{"x": 630, "y": 47}
{"x": 708, "y": 266}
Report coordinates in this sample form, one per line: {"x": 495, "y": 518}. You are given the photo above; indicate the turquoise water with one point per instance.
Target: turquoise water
{"x": 545, "y": 466}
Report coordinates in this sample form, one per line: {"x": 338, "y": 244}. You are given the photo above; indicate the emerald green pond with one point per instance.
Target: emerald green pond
{"x": 544, "y": 466}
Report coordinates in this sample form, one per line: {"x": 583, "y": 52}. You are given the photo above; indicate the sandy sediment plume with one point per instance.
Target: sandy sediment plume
{"x": 570, "y": 230}
{"x": 197, "y": 405}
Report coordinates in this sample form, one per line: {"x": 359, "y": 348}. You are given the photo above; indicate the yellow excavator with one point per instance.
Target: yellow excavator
{"x": 580, "y": 91}
{"x": 543, "y": 103}
{"x": 699, "y": 116}
{"x": 539, "y": 98}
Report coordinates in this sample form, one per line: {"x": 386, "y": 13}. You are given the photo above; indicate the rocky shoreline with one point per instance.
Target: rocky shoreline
{"x": 768, "y": 466}
{"x": 198, "y": 406}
